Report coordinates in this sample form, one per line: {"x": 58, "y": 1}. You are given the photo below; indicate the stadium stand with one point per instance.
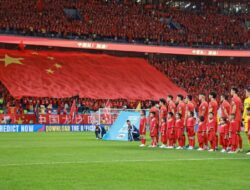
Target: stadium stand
{"x": 123, "y": 21}
{"x": 196, "y": 77}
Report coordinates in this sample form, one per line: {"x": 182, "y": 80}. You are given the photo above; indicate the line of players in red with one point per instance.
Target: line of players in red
{"x": 171, "y": 122}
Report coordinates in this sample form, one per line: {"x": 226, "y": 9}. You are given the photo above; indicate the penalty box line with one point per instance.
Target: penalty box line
{"x": 118, "y": 161}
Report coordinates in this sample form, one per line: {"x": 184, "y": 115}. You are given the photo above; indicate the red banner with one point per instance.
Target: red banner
{"x": 57, "y": 74}
{"x": 122, "y": 47}
{"x": 47, "y": 119}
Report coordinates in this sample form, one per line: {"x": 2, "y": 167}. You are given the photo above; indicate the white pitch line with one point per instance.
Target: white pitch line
{"x": 117, "y": 161}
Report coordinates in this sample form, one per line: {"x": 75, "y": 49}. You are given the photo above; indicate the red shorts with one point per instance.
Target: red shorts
{"x": 249, "y": 137}
{"x": 222, "y": 138}
{"x": 163, "y": 138}
{"x": 154, "y": 133}
{"x": 179, "y": 133}
{"x": 190, "y": 131}
{"x": 142, "y": 132}
{"x": 169, "y": 135}
{"x": 201, "y": 138}
{"x": 233, "y": 139}
{"x": 211, "y": 135}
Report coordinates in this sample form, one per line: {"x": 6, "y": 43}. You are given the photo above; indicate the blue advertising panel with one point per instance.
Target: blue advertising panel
{"x": 119, "y": 129}
{"x": 11, "y": 128}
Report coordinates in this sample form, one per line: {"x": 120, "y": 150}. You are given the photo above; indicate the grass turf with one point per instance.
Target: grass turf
{"x": 77, "y": 161}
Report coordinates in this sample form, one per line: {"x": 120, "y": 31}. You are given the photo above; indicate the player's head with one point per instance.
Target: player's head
{"x": 248, "y": 111}
{"x": 178, "y": 115}
{"x": 212, "y": 95}
{"x": 170, "y": 115}
{"x": 143, "y": 112}
{"x": 169, "y": 98}
{"x": 152, "y": 103}
{"x": 128, "y": 122}
{"x": 202, "y": 96}
{"x": 248, "y": 92}
{"x": 163, "y": 120}
{"x": 202, "y": 118}
{"x": 189, "y": 98}
{"x": 179, "y": 98}
{"x": 190, "y": 114}
{"x": 232, "y": 117}
{"x": 211, "y": 115}
{"x": 152, "y": 114}
{"x": 223, "y": 97}
{"x": 234, "y": 91}
{"x": 162, "y": 101}
{"x": 223, "y": 120}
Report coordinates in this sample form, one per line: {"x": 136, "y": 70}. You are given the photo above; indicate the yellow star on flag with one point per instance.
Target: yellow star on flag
{"x": 51, "y": 58}
{"x": 58, "y": 66}
{"x": 8, "y": 60}
{"x": 50, "y": 71}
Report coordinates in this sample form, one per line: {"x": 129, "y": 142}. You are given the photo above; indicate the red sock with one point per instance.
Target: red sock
{"x": 240, "y": 141}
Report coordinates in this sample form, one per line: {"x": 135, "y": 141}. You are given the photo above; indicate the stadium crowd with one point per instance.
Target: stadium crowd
{"x": 29, "y": 105}
{"x": 125, "y": 21}
{"x": 195, "y": 76}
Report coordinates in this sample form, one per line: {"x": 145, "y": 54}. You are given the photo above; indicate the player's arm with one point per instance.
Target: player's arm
{"x": 233, "y": 107}
{"x": 203, "y": 110}
{"x": 226, "y": 113}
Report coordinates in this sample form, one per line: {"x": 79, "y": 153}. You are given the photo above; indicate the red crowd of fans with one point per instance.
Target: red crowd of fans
{"x": 60, "y": 105}
{"x": 124, "y": 20}
{"x": 196, "y": 77}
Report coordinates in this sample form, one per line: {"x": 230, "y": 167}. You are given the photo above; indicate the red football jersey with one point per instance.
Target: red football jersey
{"x": 163, "y": 112}
{"x": 211, "y": 125}
{"x": 153, "y": 125}
{"x": 224, "y": 128}
{"x": 181, "y": 108}
{"x": 202, "y": 127}
{"x": 143, "y": 122}
{"x": 213, "y": 107}
{"x": 225, "y": 108}
{"x": 163, "y": 128}
{"x": 190, "y": 106}
{"x": 237, "y": 102}
{"x": 204, "y": 108}
{"x": 179, "y": 124}
{"x": 191, "y": 121}
{"x": 234, "y": 126}
{"x": 170, "y": 123}
{"x": 171, "y": 106}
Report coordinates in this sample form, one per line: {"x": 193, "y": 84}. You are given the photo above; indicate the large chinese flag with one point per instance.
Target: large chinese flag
{"x": 65, "y": 74}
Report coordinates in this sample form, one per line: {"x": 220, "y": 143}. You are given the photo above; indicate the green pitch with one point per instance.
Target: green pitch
{"x": 68, "y": 161}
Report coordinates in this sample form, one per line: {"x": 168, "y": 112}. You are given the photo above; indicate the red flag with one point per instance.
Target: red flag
{"x": 63, "y": 75}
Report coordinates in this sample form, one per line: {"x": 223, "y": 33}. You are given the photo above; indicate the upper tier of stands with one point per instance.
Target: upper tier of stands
{"x": 121, "y": 21}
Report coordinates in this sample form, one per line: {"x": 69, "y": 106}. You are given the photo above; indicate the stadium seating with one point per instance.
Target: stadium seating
{"x": 196, "y": 77}
{"x": 126, "y": 22}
